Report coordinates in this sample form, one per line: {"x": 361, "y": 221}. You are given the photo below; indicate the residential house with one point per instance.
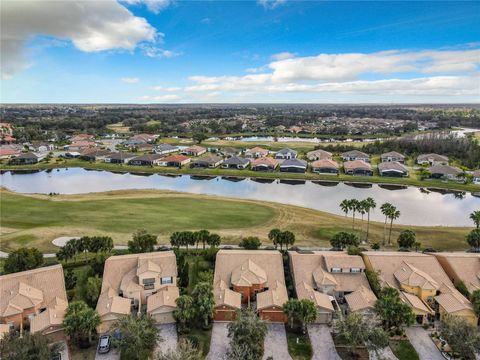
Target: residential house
{"x": 119, "y": 157}
{"x": 208, "y": 161}
{"x": 94, "y": 154}
{"x": 357, "y": 168}
{"x": 392, "y": 156}
{"x": 286, "y": 154}
{"x": 41, "y": 147}
{"x": 141, "y": 139}
{"x": 251, "y": 277}
{"x": 81, "y": 137}
{"x": 80, "y": 145}
{"x": 236, "y": 162}
{"x": 34, "y": 300}
{"x": 294, "y": 166}
{"x": 8, "y": 152}
{"x": 164, "y": 149}
{"x": 354, "y": 155}
{"x": 422, "y": 282}
{"x": 476, "y": 177}
{"x": 461, "y": 268}
{"x": 325, "y": 166}
{"x": 146, "y": 160}
{"x": 136, "y": 283}
{"x": 194, "y": 150}
{"x": 229, "y": 152}
{"x": 264, "y": 164}
{"x": 256, "y": 153}
{"x": 174, "y": 160}
{"x": 329, "y": 279}
{"x": 392, "y": 169}
{"x": 432, "y": 159}
{"x": 445, "y": 172}
{"x": 25, "y": 159}
{"x": 319, "y": 155}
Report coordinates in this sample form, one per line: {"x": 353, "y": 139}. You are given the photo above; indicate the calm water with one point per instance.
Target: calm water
{"x": 417, "y": 208}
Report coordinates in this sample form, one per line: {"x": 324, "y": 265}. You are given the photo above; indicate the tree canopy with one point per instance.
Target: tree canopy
{"x": 343, "y": 239}
{"x": 463, "y": 338}
{"x": 250, "y": 243}
{"x": 80, "y": 322}
{"x": 406, "y": 239}
{"x": 23, "y": 259}
{"x": 27, "y": 347}
{"x": 392, "y": 310}
{"x": 142, "y": 242}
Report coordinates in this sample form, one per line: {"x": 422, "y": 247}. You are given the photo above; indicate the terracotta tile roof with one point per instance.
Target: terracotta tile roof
{"x": 392, "y": 166}
{"x": 109, "y": 302}
{"x": 165, "y": 296}
{"x": 325, "y": 163}
{"x": 409, "y": 275}
{"x": 319, "y": 154}
{"x": 265, "y": 161}
{"x": 195, "y": 148}
{"x": 415, "y": 302}
{"x": 340, "y": 259}
{"x": 361, "y": 299}
{"x": 52, "y": 316}
{"x": 248, "y": 274}
{"x": 435, "y": 157}
{"x": 357, "y": 164}
{"x": 175, "y": 158}
{"x": 452, "y": 301}
{"x": 224, "y": 296}
{"x": 462, "y": 266}
{"x": 445, "y": 170}
{"x": 305, "y": 291}
{"x": 275, "y": 296}
{"x": 355, "y": 153}
{"x": 393, "y": 154}
{"x": 257, "y": 149}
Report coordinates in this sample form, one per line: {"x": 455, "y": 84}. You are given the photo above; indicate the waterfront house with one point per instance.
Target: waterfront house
{"x": 264, "y": 164}
{"x": 319, "y": 155}
{"x": 194, "y": 150}
{"x": 94, "y": 154}
{"x": 392, "y": 156}
{"x": 25, "y": 159}
{"x": 80, "y": 145}
{"x": 354, "y": 155}
{"x": 293, "y": 166}
{"x": 119, "y": 157}
{"x": 357, "y": 168}
{"x": 228, "y": 152}
{"x": 253, "y": 278}
{"x": 236, "y": 162}
{"x": 392, "y": 169}
{"x": 256, "y": 152}
{"x": 174, "y": 160}
{"x": 422, "y": 283}
{"x": 41, "y": 147}
{"x": 34, "y": 300}
{"x": 138, "y": 283}
{"x": 141, "y": 139}
{"x": 208, "y": 161}
{"x": 476, "y": 177}
{"x": 445, "y": 172}
{"x": 7, "y": 152}
{"x": 286, "y": 154}
{"x": 146, "y": 160}
{"x": 432, "y": 159}
{"x": 461, "y": 268}
{"x": 164, "y": 149}
{"x": 325, "y": 166}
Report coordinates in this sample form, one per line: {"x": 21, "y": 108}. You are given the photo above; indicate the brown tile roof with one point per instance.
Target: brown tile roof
{"x": 393, "y": 154}
{"x": 409, "y": 275}
{"x": 275, "y": 296}
{"x": 52, "y": 316}
{"x": 462, "y": 266}
{"x": 357, "y": 164}
{"x": 320, "y": 154}
{"x": 452, "y": 301}
{"x": 165, "y": 296}
{"x": 325, "y": 163}
{"x": 266, "y": 161}
{"x": 339, "y": 259}
{"x": 361, "y": 299}
{"x": 435, "y": 157}
{"x": 392, "y": 165}
{"x": 248, "y": 274}
{"x": 110, "y": 302}
{"x": 445, "y": 170}
{"x": 195, "y": 148}
{"x": 175, "y": 158}
{"x": 224, "y": 296}
{"x": 415, "y": 302}
{"x": 305, "y": 291}
{"x": 257, "y": 149}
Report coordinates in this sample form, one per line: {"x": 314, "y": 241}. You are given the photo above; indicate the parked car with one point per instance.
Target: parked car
{"x": 104, "y": 344}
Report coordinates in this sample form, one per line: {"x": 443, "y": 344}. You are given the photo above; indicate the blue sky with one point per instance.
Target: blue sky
{"x": 161, "y": 51}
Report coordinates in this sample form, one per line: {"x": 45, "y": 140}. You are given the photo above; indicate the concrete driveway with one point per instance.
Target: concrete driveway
{"x": 423, "y": 344}
{"x": 219, "y": 344}
{"x": 385, "y": 354}
{"x": 168, "y": 333}
{"x": 276, "y": 343}
{"x": 322, "y": 343}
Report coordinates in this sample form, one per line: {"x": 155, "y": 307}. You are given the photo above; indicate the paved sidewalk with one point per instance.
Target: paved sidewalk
{"x": 423, "y": 344}
{"x": 276, "y": 343}
{"x": 322, "y": 343}
{"x": 219, "y": 344}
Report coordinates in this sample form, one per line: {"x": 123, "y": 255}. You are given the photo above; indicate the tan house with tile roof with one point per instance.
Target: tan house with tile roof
{"x": 461, "y": 267}
{"x": 34, "y": 300}
{"x": 136, "y": 283}
{"x": 249, "y": 277}
{"x": 423, "y": 283}
{"x": 328, "y": 277}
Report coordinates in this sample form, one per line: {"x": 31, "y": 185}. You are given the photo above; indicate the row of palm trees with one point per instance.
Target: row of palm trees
{"x": 365, "y": 206}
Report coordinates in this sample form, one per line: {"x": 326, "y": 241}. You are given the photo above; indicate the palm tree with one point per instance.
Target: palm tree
{"x": 392, "y": 215}
{"x": 345, "y": 206}
{"x": 355, "y": 206}
{"x": 475, "y": 217}
{"x": 385, "y": 211}
{"x": 369, "y": 204}
{"x": 362, "y": 210}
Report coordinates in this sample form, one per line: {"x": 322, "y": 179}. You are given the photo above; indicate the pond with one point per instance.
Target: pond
{"x": 417, "y": 206}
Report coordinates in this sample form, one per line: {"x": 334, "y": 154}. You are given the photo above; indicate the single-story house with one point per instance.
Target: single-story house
{"x": 34, "y": 299}
{"x": 72, "y": 155}
{"x": 7, "y": 153}
{"x": 319, "y": 155}
{"x": 286, "y": 154}
{"x": 250, "y": 277}
{"x": 80, "y": 145}
{"x": 40, "y": 146}
{"x": 392, "y": 156}
{"x": 229, "y": 152}
{"x": 174, "y": 160}
{"x": 163, "y": 149}
{"x": 355, "y": 155}
{"x": 358, "y": 168}
{"x": 94, "y": 154}
{"x": 146, "y": 160}
{"x": 236, "y": 162}
{"x": 293, "y": 165}
{"x": 264, "y": 164}
{"x": 141, "y": 139}
{"x": 119, "y": 157}
{"x": 134, "y": 280}
{"x": 81, "y": 137}
{"x": 325, "y": 166}
{"x": 209, "y": 161}
{"x": 476, "y": 177}
{"x": 143, "y": 147}
{"x": 25, "y": 159}
{"x": 445, "y": 172}
{"x": 432, "y": 159}
{"x": 392, "y": 169}
{"x": 194, "y": 150}
{"x": 256, "y": 152}
{"x": 461, "y": 267}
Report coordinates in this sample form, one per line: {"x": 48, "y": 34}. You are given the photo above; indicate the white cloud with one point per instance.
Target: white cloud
{"x": 161, "y": 98}
{"x": 271, "y": 4}
{"x": 283, "y": 56}
{"x": 156, "y": 52}
{"x": 90, "y": 25}
{"x": 161, "y": 88}
{"x": 130, "y": 80}
{"x": 155, "y": 6}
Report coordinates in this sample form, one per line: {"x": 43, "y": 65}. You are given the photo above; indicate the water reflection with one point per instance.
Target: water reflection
{"x": 418, "y": 206}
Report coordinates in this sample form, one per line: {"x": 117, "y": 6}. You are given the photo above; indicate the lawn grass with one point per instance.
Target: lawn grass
{"x": 204, "y": 337}
{"x": 403, "y": 350}
{"x": 301, "y": 350}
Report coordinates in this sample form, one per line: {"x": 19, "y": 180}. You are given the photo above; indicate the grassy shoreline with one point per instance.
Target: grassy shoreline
{"x": 241, "y": 173}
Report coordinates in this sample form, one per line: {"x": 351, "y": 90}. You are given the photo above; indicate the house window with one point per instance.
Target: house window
{"x": 336, "y": 270}
{"x": 11, "y": 325}
{"x": 166, "y": 280}
{"x": 355, "y": 270}
{"x": 149, "y": 284}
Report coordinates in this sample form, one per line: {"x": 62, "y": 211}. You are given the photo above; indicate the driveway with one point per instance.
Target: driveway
{"x": 385, "y": 354}
{"x": 322, "y": 343}
{"x": 168, "y": 333}
{"x": 423, "y": 344}
{"x": 113, "y": 354}
{"x": 219, "y": 344}
{"x": 276, "y": 343}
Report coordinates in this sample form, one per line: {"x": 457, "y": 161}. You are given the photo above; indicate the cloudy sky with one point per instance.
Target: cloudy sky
{"x": 167, "y": 51}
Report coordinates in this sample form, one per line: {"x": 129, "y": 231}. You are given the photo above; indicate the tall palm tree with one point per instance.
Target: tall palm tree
{"x": 354, "y": 206}
{"x": 392, "y": 215}
{"x": 385, "y": 211}
{"x": 345, "y": 206}
{"x": 475, "y": 217}
{"x": 362, "y": 210}
{"x": 369, "y": 204}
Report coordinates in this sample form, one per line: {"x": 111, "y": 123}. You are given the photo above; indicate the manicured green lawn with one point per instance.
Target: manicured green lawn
{"x": 403, "y": 350}
{"x": 301, "y": 350}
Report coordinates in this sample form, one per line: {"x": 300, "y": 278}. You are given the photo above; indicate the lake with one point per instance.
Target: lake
{"x": 417, "y": 207}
